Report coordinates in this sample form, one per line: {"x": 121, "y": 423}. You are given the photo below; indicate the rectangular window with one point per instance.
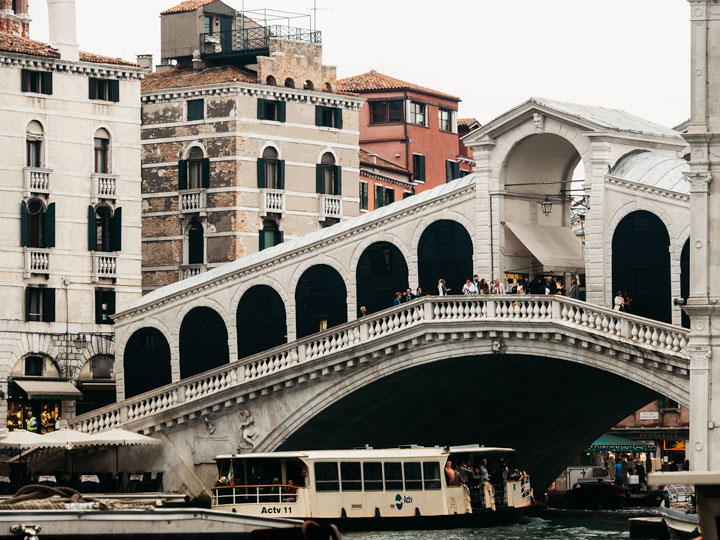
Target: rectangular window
{"x": 379, "y": 197}
{"x": 195, "y": 109}
{"x": 39, "y": 304}
{"x": 33, "y": 153}
{"x": 271, "y": 110}
{"x": 350, "y": 475}
{"x": 34, "y": 366}
{"x": 445, "y": 120}
{"x": 389, "y": 195}
{"x": 372, "y": 476}
{"x": 431, "y": 473}
{"x": 104, "y": 89}
{"x": 269, "y": 238}
{"x": 363, "y": 196}
{"x": 326, "y": 476}
{"x": 39, "y": 82}
{"x": 452, "y": 170}
{"x": 393, "y": 476}
{"x": 328, "y": 116}
{"x": 386, "y": 112}
{"x": 413, "y": 476}
{"x": 104, "y": 305}
{"x": 407, "y": 194}
{"x": 418, "y": 167}
{"x": 417, "y": 113}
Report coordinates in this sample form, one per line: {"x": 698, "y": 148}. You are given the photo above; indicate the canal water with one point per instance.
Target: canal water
{"x": 552, "y": 526}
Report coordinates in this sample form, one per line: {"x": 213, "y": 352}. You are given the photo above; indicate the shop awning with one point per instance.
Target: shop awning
{"x": 613, "y": 443}
{"x": 557, "y": 248}
{"x": 49, "y": 389}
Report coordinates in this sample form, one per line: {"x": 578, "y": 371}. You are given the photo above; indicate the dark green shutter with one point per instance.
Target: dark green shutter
{"x": 23, "y": 224}
{"x": 337, "y": 180}
{"x": 422, "y": 168}
{"x": 114, "y": 90}
{"x": 662, "y": 403}
{"x": 49, "y": 226}
{"x": 110, "y": 300}
{"x": 278, "y": 237}
{"x": 390, "y": 195}
{"x": 337, "y": 112}
{"x": 205, "y": 173}
{"x": 261, "y": 109}
{"x": 24, "y": 80}
{"x": 261, "y": 241}
{"x": 48, "y": 305}
{"x": 46, "y": 82}
{"x": 116, "y": 231}
{"x": 319, "y": 178}
{"x": 98, "y": 306}
{"x": 28, "y": 292}
{"x": 261, "y": 173}
{"x": 92, "y": 229}
{"x": 318, "y": 115}
{"x": 448, "y": 170}
{"x": 456, "y": 169}
{"x": 379, "y": 197}
{"x": 281, "y": 111}
{"x": 182, "y": 174}
{"x": 92, "y": 88}
{"x": 281, "y": 174}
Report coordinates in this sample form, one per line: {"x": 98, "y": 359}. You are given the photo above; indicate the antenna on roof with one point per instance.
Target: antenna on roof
{"x": 315, "y": 9}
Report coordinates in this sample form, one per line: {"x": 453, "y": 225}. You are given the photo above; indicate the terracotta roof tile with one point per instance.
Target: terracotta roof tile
{"x": 466, "y": 121}
{"x": 17, "y": 44}
{"x": 372, "y": 81}
{"x": 99, "y": 59}
{"x": 183, "y": 78}
{"x": 188, "y": 5}
{"x": 373, "y": 159}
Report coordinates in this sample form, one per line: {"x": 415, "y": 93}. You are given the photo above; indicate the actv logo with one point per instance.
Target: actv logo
{"x": 400, "y": 500}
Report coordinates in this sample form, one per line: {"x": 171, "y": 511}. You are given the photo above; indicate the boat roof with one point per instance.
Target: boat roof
{"x": 365, "y": 453}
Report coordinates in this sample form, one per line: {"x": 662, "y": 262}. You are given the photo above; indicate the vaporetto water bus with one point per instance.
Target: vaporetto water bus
{"x": 405, "y": 487}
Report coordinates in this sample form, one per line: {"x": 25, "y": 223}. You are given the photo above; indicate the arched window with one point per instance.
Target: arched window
{"x": 196, "y": 243}
{"x": 36, "y": 223}
{"x": 271, "y": 235}
{"x": 289, "y": 83}
{"x": 33, "y": 144}
{"x": 309, "y": 85}
{"x": 102, "y": 151}
{"x": 98, "y": 367}
{"x": 103, "y": 228}
{"x": 327, "y": 87}
{"x": 271, "y": 80}
{"x": 270, "y": 162}
{"x": 328, "y": 176}
{"x": 195, "y": 158}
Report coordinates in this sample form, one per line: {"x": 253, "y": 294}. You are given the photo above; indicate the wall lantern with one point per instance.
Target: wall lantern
{"x": 546, "y": 205}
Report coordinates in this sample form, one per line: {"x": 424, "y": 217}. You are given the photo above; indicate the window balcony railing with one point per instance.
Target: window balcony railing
{"x": 272, "y": 201}
{"x": 37, "y": 261}
{"x": 104, "y": 266}
{"x": 193, "y": 200}
{"x": 104, "y": 186}
{"x": 190, "y": 270}
{"x": 37, "y": 180}
{"x": 330, "y": 206}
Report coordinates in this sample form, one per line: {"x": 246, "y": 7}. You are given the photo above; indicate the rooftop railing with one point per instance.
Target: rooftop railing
{"x": 252, "y": 39}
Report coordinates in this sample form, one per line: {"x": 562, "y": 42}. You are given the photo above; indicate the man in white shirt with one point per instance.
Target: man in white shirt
{"x": 469, "y": 287}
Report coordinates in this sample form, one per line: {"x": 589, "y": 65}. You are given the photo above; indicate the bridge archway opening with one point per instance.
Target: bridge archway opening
{"x": 381, "y": 272}
{"x": 445, "y": 251}
{"x": 203, "y": 342}
{"x": 320, "y": 300}
{"x": 685, "y": 278}
{"x": 146, "y": 362}
{"x": 641, "y": 264}
{"x": 261, "y": 323}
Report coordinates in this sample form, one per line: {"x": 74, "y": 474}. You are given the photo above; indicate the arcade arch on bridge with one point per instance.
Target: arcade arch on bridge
{"x": 261, "y": 321}
{"x": 203, "y": 341}
{"x": 381, "y": 272}
{"x": 445, "y": 251}
{"x": 146, "y": 362}
{"x": 320, "y": 300}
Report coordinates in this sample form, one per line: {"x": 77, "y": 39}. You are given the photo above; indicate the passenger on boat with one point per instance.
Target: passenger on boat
{"x": 484, "y": 471}
{"x": 290, "y": 492}
{"x": 224, "y": 495}
{"x": 465, "y": 473}
{"x": 449, "y": 473}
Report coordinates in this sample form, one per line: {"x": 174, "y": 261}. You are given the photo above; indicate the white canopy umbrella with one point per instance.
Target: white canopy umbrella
{"x": 68, "y": 438}
{"x": 123, "y": 437}
{"x": 21, "y": 438}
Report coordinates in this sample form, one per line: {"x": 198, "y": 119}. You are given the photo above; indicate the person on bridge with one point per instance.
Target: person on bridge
{"x": 398, "y": 299}
{"x": 469, "y": 287}
{"x": 619, "y": 302}
{"x": 419, "y": 292}
{"x": 574, "y": 289}
{"x": 442, "y": 288}
{"x": 363, "y": 312}
{"x": 408, "y": 295}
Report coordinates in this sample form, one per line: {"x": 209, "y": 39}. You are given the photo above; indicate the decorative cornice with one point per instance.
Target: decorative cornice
{"x": 75, "y": 68}
{"x": 645, "y": 188}
{"x": 365, "y": 173}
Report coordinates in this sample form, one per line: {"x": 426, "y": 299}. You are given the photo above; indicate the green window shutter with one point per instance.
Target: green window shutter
{"x": 456, "y": 169}
{"x": 98, "y": 306}
{"x": 261, "y": 240}
{"x": 261, "y": 109}
{"x": 337, "y": 112}
{"x": 110, "y": 299}
{"x": 281, "y": 174}
{"x": 205, "y": 174}
{"x": 261, "y": 173}
{"x": 319, "y": 178}
{"x": 448, "y": 170}
{"x": 281, "y": 111}
{"x": 278, "y": 237}
{"x": 116, "y": 231}
{"x": 390, "y": 195}
{"x": 49, "y": 226}
{"x": 114, "y": 90}
{"x": 379, "y": 195}
{"x": 92, "y": 229}
{"x": 318, "y": 115}
{"x": 92, "y": 88}
{"x": 337, "y": 180}
{"x": 46, "y": 82}
{"x": 662, "y": 402}
{"x": 27, "y": 303}
{"x": 23, "y": 224}
{"x": 182, "y": 174}
{"x": 48, "y": 305}
{"x": 24, "y": 79}
{"x": 422, "y": 168}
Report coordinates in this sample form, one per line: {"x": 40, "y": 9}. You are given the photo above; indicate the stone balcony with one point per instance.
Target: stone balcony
{"x": 104, "y": 266}
{"x": 37, "y": 180}
{"x": 37, "y": 261}
{"x": 330, "y": 206}
{"x": 272, "y": 201}
{"x": 190, "y": 270}
{"x": 192, "y": 201}
{"x": 104, "y": 187}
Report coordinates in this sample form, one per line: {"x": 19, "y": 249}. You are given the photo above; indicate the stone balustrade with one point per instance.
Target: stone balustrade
{"x": 104, "y": 186}
{"x": 272, "y": 201}
{"x": 330, "y": 206}
{"x": 104, "y": 266}
{"x": 489, "y": 313}
{"x": 37, "y": 180}
{"x": 190, "y": 270}
{"x": 193, "y": 200}
{"x": 37, "y": 261}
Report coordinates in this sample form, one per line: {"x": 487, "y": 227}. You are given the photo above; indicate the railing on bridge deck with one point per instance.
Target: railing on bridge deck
{"x": 559, "y": 310}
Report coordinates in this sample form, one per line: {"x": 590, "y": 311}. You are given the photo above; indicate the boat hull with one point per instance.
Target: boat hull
{"x": 680, "y": 525}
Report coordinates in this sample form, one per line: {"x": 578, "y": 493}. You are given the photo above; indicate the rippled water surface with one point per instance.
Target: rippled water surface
{"x": 549, "y": 527}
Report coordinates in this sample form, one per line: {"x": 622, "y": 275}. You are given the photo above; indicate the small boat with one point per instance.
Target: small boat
{"x": 370, "y": 489}
{"x": 679, "y": 512}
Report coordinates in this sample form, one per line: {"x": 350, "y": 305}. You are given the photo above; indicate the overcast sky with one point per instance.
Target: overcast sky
{"x": 627, "y": 54}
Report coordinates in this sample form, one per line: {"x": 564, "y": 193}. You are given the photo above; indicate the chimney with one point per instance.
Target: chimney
{"x": 145, "y": 61}
{"x": 63, "y": 33}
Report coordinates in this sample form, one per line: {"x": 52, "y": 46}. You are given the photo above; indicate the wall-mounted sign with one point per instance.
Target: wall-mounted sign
{"x": 649, "y": 415}
{"x": 674, "y": 445}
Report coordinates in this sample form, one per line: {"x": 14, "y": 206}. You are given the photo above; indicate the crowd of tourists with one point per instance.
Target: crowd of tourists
{"x": 539, "y": 285}
{"x": 478, "y": 477}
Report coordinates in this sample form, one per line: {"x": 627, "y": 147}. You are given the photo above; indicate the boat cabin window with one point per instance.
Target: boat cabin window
{"x": 393, "y": 476}
{"x": 326, "y": 476}
{"x": 413, "y": 476}
{"x": 372, "y": 473}
{"x": 431, "y": 473}
{"x": 350, "y": 474}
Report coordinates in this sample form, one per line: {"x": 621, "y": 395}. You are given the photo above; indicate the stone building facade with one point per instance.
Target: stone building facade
{"x": 382, "y": 182}
{"x": 70, "y": 210}
{"x": 240, "y": 153}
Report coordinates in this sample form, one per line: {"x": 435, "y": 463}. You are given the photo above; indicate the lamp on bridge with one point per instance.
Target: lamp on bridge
{"x": 546, "y": 205}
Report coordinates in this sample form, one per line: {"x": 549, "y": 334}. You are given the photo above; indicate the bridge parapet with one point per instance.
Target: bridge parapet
{"x": 373, "y": 335}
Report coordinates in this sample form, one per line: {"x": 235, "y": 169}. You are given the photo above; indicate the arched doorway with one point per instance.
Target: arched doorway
{"x": 445, "y": 251}
{"x": 261, "y": 323}
{"x": 146, "y": 362}
{"x": 381, "y": 272}
{"x": 320, "y": 300}
{"x": 203, "y": 342}
{"x": 641, "y": 264}
{"x": 685, "y": 279}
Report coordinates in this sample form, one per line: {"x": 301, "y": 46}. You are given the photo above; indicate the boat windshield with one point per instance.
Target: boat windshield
{"x": 250, "y": 481}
